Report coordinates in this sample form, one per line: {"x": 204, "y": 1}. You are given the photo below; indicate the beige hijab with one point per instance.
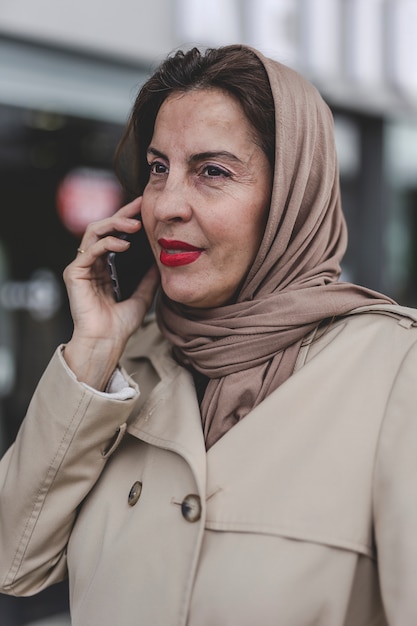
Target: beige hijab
{"x": 248, "y": 348}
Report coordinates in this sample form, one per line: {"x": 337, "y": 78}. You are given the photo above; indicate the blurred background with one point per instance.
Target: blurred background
{"x": 69, "y": 72}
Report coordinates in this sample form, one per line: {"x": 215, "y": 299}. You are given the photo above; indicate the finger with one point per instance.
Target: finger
{"x": 131, "y": 208}
{"x": 124, "y": 220}
{"x": 85, "y": 257}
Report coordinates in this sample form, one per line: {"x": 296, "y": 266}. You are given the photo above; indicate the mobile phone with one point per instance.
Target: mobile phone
{"x": 129, "y": 267}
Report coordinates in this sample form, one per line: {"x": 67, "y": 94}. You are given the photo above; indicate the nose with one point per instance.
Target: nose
{"x": 172, "y": 201}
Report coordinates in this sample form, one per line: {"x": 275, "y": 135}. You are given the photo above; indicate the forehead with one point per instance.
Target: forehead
{"x": 205, "y": 114}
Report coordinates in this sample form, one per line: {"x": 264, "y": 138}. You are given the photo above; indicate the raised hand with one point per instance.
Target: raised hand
{"x": 102, "y": 326}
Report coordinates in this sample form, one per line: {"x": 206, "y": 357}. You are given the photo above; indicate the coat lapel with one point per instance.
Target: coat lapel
{"x": 170, "y": 416}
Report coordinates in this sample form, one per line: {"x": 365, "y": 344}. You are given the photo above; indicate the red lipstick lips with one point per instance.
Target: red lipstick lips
{"x": 176, "y": 253}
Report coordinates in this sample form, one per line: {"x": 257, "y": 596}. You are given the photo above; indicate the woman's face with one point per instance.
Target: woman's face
{"x": 206, "y": 203}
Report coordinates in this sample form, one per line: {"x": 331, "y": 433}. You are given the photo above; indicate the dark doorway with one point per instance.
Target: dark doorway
{"x": 37, "y": 150}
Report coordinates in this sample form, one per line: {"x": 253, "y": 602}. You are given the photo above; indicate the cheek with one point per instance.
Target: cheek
{"x": 254, "y": 226}
{"x": 240, "y": 248}
{"x": 239, "y": 231}
{"x": 146, "y": 210}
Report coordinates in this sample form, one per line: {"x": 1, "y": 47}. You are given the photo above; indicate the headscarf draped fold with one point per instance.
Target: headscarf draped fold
{"x": 247, "y": 349}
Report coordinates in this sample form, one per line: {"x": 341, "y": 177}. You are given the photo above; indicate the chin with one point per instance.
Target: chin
{"x": 189, "y": 301}
{"x": 188, "y": 294}
{"x": 188, "y": 298}
{"x": 181, "y": 296}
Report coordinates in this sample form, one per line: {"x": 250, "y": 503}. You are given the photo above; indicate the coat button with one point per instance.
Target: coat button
{"x": 134, "y": 493}
{"x": 191, "y": 508}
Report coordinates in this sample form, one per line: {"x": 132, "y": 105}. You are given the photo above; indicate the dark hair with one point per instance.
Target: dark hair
{"x": 235, "y": 69}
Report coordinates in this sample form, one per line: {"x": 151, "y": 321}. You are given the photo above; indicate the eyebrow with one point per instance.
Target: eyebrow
{"x": 199, "y": 156}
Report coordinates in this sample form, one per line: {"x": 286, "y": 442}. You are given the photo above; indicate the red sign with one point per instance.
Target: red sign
{"x": 86, "y": 195}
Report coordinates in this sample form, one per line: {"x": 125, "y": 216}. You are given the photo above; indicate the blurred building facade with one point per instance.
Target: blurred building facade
{"x": 69, "y": 72}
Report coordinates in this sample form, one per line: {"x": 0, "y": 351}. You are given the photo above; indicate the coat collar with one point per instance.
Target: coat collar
{"x": 170, "y": 416}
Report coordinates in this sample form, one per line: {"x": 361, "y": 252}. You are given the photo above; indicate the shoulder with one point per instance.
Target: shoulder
{"x": 381, "y": 334}
{"x": 382, "y": 322}
{"x": 386, "y": 314}
{"x": 391, "y": 326}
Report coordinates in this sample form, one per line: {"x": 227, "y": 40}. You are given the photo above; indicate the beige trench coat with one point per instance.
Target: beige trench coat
{"x": 305, "y": 513}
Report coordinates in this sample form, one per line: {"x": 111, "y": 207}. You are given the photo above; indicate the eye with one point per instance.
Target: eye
{"x": 214, "y": 171}
{"x": 157, "y": 168}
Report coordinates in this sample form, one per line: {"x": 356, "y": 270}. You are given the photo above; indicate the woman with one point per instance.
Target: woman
{"x": 253, "y": 460}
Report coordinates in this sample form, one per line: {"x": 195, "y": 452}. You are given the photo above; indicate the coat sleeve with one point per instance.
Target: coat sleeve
{"x": 59, "y": 453}
{"x": 395, "y": 498}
